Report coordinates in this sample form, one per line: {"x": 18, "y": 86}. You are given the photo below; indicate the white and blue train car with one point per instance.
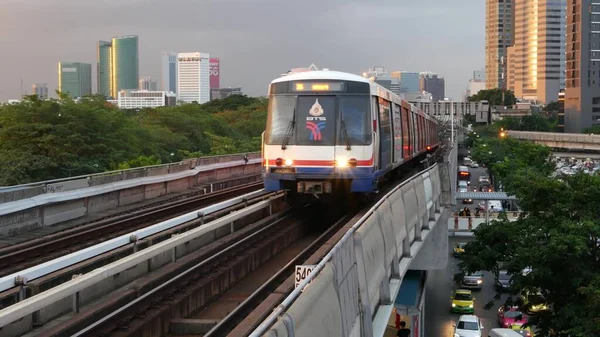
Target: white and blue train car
{"x": 329, "y": 130}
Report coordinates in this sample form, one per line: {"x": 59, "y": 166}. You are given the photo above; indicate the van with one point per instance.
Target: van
{"x": 499, "y": 332}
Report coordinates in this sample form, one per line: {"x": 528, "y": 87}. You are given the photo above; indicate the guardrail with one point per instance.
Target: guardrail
{"x": 49, "y": 267}
{"x": 17, "y": 192}
{"x": 363, "y": 269}
{"x": 38, "y": 302}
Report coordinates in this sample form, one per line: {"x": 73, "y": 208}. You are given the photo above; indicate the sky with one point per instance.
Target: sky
{"x": 256, "y": 40}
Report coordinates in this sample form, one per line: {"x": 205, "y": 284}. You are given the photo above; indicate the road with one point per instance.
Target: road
{"x": 475, "y": 174}
{"x": 440, "y": 286}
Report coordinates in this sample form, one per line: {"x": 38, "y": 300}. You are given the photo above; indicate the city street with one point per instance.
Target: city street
{"x": 475, "y": 174}
{"x": 440, "y": 286}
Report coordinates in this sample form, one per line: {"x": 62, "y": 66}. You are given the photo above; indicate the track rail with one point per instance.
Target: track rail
{"x": 230, "y": 321}
{"x": 37, "y": 251}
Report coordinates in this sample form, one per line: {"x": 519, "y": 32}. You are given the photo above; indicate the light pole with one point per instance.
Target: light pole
{"x": 452, "y": 123}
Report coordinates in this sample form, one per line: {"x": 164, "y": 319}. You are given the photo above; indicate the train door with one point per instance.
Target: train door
{"x": 385, "y": 133}
{"x": 406, "y": 131}
{"x": 413, "y": 128}
{"x": 397, "y": 125}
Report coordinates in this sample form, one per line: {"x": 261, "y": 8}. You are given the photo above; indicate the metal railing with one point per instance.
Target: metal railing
{"x": 554, "y": 136}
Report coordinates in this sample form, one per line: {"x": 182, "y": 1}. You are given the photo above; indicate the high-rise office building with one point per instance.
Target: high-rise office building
{"x": 215, "y": 76}
{"x": 476, "y": 84}
{"x": 538, "y": 55}
{"x": 479, "y": 75}
{"x": 582, "y": 94}
{"x": 409, "y": 81}
{"x": 103, "y": 66}
{"x": 75, "y": 78}
{"x": 40, "y": 89}
{"x": 169, "y": 71}
{"x": 118, "y": 65}
{"x": 147, "y": 83}
{"x": 193, "y": 77}
{"x": 498, "y": 37}
{"x": 433, "y": 84}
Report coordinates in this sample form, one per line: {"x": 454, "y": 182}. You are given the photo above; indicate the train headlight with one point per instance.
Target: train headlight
{"x": 289, "y": 162}
{"x": 341, "y": 162}
{"x": 278, "y": 161}
{"x": 352, "y": 162}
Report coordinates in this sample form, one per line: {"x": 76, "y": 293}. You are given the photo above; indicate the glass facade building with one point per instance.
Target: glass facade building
{"x": 169, "y": 71}
{"x": 118, "y": 65}
{"x": 75, "y": 78}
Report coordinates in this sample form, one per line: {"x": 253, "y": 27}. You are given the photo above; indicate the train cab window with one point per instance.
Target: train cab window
{"x": 315, "y": 120}
{"x": 355, "y": 112}
{"x": 280, "y": 114}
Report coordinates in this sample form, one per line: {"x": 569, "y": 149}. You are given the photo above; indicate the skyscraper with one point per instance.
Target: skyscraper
{"x": 169, "y": 71}
{"x": 103, "y": 66}
{"x": 147, "y": 83}
{"x": 499, "y": 27}
{"x": 75, "y": 78}
{"x": 118, "y": 65}
{"x": 582, "y": 94}
{"x": 433, "y": 84}
{"x": 40, "y": 89}
{"x": 538, "y": 56}
{"x": 409, "y": 82}
{"x": 215, "y": 76}
{"x": 193, "y": 77}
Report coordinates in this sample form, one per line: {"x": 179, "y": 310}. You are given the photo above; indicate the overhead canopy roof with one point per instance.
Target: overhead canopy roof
{"x": 484, "y": 196}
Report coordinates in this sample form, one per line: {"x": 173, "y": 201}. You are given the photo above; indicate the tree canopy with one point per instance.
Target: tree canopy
{"x": 50, "y": 139}
{"x": 494, "y": 97}
{"x": 557, "y": 237}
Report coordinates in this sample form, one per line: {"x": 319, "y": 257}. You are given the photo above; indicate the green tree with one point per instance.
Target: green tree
{"x": 139, "y": 162}
{"x": 594, "y": 129}
{"x": 551, "y": 107}
{"x": 558, "y": 240}
{"x": 494, "y": 97}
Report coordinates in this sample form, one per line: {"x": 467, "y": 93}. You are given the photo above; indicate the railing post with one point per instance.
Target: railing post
{"x": 75, "y": 297}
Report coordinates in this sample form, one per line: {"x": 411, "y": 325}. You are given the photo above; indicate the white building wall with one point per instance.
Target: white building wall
{"x": 139, "y": 99}
{"x": 193, "y": 77}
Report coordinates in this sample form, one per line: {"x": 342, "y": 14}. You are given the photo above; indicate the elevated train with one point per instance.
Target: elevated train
{"x": 331, "y": 132}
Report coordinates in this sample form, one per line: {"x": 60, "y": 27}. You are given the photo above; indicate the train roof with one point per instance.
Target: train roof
{"x": 338, "y": 75}
{"x": 320, "y": 75}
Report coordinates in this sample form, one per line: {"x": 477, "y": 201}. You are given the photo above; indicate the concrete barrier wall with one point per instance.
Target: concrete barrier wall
{"x": 68, "y": 200}
{"x": 351, "y": 291}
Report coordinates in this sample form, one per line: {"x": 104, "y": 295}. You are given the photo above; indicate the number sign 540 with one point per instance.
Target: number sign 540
{"x": 302, "y": 272}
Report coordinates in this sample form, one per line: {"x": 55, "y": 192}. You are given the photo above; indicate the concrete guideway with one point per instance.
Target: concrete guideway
{"x": 86, "y": 196}
{"x": 49, "y": 267}
{"x": 351, "y": 291}
{"x": 40, "y": 301}
{"x": 571, "y": 141}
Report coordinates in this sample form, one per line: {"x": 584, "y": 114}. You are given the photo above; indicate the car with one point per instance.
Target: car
{"x": 463, "y": 301}
{"x": 484, "y": 178}
{"x": 473, "y": 280}
{"x": 474, "y": 165}
{"x": 502, "y": 280}
{"x": 459, "y": 249}
{"x": 508, "y": 315}
{"x": 534, "y": 302}
{"x": 468, "y": 326}
{"x": 526, "y": 332}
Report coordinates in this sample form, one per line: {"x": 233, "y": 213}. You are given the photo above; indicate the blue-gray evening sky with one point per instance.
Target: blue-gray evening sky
{"x": 256, "y": 40}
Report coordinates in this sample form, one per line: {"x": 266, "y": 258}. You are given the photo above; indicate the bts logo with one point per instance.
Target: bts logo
{"x": 315, "y": 129}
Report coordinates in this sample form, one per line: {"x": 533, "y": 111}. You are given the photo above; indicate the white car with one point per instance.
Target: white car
{"x": 474, "y": 165}
{"x": 468, "y": 326}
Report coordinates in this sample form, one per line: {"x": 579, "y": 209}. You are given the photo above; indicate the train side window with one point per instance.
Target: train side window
{"x": 406, "y": 132}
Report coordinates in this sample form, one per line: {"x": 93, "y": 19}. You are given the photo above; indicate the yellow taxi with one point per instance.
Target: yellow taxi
{"x": 534, "y": 302}
{"x": 459, "y": 249}
{"x": 463, "y": 301}
{"x": 526, "y": 332}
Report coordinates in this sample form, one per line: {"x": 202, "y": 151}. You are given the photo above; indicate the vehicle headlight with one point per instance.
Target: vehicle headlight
{"x": 479, "y": 281}
{"x": 471, "y": 306}
{"x": 453, "y": 305}
{"x": 341, "y": 162}
{"x": 289, "y": 162}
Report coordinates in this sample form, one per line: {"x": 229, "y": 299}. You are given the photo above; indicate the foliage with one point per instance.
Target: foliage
{"x": 494, "y": 97}
{"x": 595, "y": 129}
{"x": 51, "y": 139}
{"x": 533, "y": 122}
{"x": 552, "y": 106}
{"x": 557, "y": 238}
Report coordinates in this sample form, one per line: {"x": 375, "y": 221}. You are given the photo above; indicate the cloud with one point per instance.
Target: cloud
{"x": 255, "y": 39}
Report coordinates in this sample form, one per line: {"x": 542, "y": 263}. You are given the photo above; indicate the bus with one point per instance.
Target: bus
{"x": 464, "y": 174}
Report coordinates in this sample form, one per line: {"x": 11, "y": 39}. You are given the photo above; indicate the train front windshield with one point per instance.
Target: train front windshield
{"x": 319, "y": 120}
